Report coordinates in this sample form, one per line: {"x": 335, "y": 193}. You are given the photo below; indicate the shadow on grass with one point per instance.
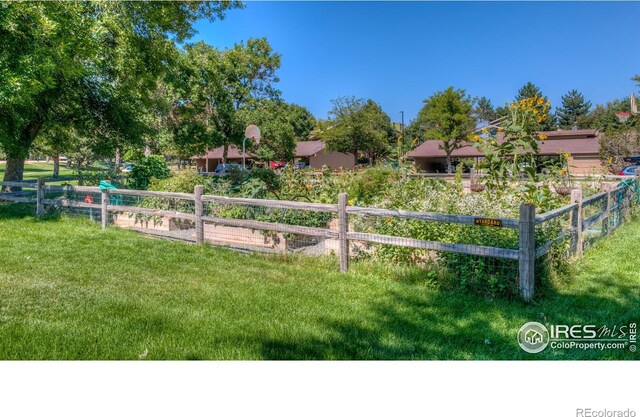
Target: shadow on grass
{"x": 9, "y": 211}
{"x": 411, "y": 320}
{"x": 440, "y": 325}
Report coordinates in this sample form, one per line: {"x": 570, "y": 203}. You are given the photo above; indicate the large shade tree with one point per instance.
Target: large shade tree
{"x": 356, "y": 125}
{"x": 446, "y": 116}
{"x": 215, "y": 88}
{"x": 88, "y": 66}
{"x": 281, "y": 125}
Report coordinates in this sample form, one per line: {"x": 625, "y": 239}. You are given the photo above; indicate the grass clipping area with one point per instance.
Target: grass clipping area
{"x": 70, "y": 291}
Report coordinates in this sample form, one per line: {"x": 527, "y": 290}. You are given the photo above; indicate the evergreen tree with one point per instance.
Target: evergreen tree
{"x": 484, "y": 111}
{"x": 530, "y": 90}
{"x": 573, "y": 107}
{"x": 502, "y": 111}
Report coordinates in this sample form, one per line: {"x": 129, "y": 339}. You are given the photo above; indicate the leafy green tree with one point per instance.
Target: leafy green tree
{"x": 484, "y": 110}
{"x": 603, "y": 117}
{"x": 530, "y": 90}
{"x": 301, "y": 120}
{"x": 573, "y": 107}
{"x": 447, "y": 116}
{"x": 355, "y": 126}
{"x": 275, "y": 120}
{"x": 215, "y": 88}
{"x": 85, "y": 65}
{"x": 617, "y": 145}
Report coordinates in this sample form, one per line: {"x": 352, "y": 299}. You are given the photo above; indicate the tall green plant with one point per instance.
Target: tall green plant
{"x": 512, "y": 153}
{"x": 154, "y": 166}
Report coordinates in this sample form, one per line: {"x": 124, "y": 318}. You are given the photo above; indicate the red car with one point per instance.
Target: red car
{"x": 276, "y": 165}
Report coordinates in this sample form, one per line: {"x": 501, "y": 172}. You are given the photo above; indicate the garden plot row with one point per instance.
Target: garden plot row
{"x": 270, "y": 225}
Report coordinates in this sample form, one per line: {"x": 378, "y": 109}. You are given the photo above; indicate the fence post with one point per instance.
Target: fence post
{"x": 197, "y": 191}
{"x": 104, "y": 213}
{"x": 343, "y": 227}
{"x": 527, "y": 252}
{"x": 576, "y": 221}
{"x": 40, "y": 197}
{"x": 606, "y": 222}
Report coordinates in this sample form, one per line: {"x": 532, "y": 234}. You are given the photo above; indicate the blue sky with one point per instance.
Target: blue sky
{"x": 399, "y": 53}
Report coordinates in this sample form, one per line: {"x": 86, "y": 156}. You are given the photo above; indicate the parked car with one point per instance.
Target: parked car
{"x": 223, "y": 170}
{"x": 629, "y": 170}
{"x": 127, "y": 167}
{"x": 300, "y": 165}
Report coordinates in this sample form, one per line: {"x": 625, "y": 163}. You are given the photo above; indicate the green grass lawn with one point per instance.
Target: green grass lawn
{"x": 70, "y": 291}
{"x": 33, "y": 170}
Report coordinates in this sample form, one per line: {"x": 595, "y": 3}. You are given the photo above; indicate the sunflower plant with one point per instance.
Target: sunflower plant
{"x": 512, "y": 153}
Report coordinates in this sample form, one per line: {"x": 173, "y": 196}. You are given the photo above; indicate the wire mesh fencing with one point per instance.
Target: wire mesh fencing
{"x": 73, "y": 201}
{"x": 569, "y": 231}
{"x": 270, "y": 226}
{"x": 168, "y": 215}
{"x": 481, "y": 259}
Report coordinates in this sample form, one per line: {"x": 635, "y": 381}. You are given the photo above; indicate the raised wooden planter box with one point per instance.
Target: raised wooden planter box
{"x": 239, "y": 236}
{"x": 274, "y": 241}
{"x": 129, "y": 221}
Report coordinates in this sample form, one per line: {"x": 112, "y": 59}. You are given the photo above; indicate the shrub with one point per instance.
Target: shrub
{"x": 270, "y": 179}
{"x": 365, "y": 187}
{"x": 486, "y": 275}
{"x": 93, "y": 178}
{"x": 154, "y": 166}
{"x": 182, "y": 182}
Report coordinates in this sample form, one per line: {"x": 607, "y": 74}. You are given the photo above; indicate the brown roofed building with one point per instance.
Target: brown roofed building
{"x": 313, "y": 152}
{"x": 209, "y": 161}
{"x": 582, "y": 145}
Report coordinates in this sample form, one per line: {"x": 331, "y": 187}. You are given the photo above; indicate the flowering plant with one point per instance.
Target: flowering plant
{"x": 513, "y": 153}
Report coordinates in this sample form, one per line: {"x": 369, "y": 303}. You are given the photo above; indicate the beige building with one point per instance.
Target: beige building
{"x": 582, "y": 145}
{"x": 314, "y": 154}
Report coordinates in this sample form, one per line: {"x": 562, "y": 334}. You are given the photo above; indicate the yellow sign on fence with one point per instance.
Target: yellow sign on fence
{"x": 481, "y": 221}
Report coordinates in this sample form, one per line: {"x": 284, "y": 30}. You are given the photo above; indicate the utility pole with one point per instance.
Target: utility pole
{"x": 401, "y": 142}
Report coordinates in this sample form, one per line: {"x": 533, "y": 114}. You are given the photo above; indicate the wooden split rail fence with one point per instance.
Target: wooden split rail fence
{"x": 526, "y": 254}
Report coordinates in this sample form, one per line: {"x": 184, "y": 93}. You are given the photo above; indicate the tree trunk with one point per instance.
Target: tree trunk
{"x": 225, "y": 152}
{"x": 355, "y": 156}
{"x": 15, "y": 159}
{"x": 56, "y": 163}
{"x": 449, "y": 166}
{"x": 14, "y": 171}
{"x": 117, "y": 161}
